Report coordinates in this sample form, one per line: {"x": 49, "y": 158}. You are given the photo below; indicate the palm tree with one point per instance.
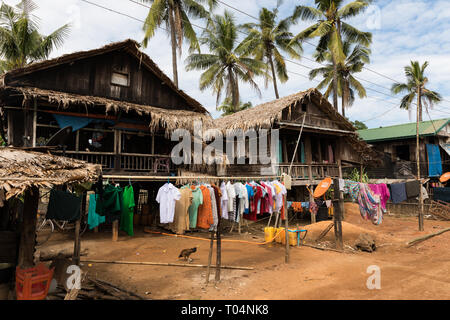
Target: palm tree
{"x": 224, "y": 66}
{"x": 347, "y": 83}
{"x": 20, "y": 41}
{"x": 227, "y": 107}
{"x": 331, "y": 29}
{"x": 264, "y": 39}
{"x": 175, "y": 15}
{"x": 415, "y": 87}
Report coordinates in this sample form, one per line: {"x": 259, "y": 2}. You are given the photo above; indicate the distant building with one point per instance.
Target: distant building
{"x": 398, "y": 143}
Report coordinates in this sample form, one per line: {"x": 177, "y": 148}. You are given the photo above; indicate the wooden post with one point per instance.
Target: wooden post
{"x": 341, "y": 193}
{"x": 286, "y": 225}
{"x": 419, "y": 101}
{"x": 115, "y": 231}
{"x": 34, "y": 123}
{"x": 211, "y": 246}
{"x": 77, "y": 243}
{"x": 28, "y": 229}
{"x": 219, "y": 250}
{"x": 313, "y": 216}
{"x": 337, "y": 219}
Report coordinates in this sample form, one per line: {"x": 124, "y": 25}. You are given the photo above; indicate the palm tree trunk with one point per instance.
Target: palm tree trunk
{"x": 343, "y": 104}
{"x": 234, "y": 90}
{"x": 335, "y": 85}
{"x": 174, "y": 47}
{"x": 275, "y": 86}
{"x": 419, "y": 104}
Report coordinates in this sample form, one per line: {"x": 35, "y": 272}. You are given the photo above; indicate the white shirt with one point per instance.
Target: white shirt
{"x": 166, "y": 197}
{"x": 231, "y": 195}
{"x": 279, "y": 196}
{"x": 224, "y": 200}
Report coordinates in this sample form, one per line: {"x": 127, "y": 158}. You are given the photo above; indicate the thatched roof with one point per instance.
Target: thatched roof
{"x": 265, "y": 115}
{"x": 129, "y": 46}
{"x": 20, "y": 170}
{"x": 168, "y": 119}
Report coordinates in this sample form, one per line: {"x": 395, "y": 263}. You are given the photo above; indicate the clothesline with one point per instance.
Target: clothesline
{"x": 193, "y": 178}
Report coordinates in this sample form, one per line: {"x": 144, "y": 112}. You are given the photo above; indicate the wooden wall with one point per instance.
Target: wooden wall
{"x": 92, "y": 76}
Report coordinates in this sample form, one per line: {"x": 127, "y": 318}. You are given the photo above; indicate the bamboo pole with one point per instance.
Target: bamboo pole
{"x": 286, "y": 225}
{"x": 423, "y": 238}
{"x": 164, "y": 264}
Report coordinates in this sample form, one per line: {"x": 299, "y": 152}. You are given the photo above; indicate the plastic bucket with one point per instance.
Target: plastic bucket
{"x": 269, "y": 234}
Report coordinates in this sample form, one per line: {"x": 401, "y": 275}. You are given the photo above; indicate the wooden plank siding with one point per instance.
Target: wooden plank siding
{"x": 92, "y": 76}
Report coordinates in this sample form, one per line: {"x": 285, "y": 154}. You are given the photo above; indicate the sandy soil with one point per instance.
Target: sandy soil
{"x": 419, "y": 272}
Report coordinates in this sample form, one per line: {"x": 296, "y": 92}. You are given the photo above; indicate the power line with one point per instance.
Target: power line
{"x": 364, "y": 67}
{"x": 203, "y": 28}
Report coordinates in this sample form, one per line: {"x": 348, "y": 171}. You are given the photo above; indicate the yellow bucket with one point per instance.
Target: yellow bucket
{"x": 269, "y": 234}
{"x": 293, "y": 238}
{"x": 280, "y": 238}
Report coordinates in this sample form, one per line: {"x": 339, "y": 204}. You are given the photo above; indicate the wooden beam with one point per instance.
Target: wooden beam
{"x": 286, "y": 226}
{"x": 115, "y": 231}
{"x": 164, "y": 264}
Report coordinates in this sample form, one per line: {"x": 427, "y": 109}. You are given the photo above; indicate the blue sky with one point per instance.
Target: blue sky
{"x": 402, "y": 31}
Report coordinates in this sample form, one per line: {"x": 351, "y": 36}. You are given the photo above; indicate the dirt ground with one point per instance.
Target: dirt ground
{"x": 418, "y": 272}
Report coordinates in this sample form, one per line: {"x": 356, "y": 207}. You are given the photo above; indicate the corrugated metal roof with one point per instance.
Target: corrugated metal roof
{"x": 403, "y": 131}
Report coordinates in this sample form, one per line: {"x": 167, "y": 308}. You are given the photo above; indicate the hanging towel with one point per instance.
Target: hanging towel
{"x": 63, "y": 206}
{"x": 126, "y": 217}
{"x": 328, "y": 203}
{"x": 434, "y": 159}
{"x": 398, "y": 193}
{"x": 94, "y": 220}
{"x": 412, "y": 189}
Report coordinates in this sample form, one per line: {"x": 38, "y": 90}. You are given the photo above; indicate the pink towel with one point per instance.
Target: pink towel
{"x": 382, "y": 191}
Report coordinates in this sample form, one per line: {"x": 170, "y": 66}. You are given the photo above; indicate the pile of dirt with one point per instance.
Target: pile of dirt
{"x": 350, "y": 232}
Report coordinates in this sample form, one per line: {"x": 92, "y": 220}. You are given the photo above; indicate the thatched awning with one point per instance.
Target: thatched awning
{"x": 168, "y": 119}
{"x": 264, "y": 116}
{"x": 20, "y": 170}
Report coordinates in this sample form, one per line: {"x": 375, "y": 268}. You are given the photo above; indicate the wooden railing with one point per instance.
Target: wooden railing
{"x": 310, "y": 172}
{"x": 121, "y": 162}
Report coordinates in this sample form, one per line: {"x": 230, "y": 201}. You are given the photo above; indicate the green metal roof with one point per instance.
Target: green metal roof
{"x": 403, "y": 131}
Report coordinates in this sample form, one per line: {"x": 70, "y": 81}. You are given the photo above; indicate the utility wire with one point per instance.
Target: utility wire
{"x": 203, "y": 28}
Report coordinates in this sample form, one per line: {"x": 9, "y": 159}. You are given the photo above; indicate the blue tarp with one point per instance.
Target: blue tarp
{"x": 434, "y": 159}
{"x": 76, "y": 123}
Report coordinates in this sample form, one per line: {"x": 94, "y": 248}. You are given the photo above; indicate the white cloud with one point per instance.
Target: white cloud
{"x": 410, "y": 30}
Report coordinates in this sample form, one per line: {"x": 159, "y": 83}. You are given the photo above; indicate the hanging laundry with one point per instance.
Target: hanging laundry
{"x": 205, "y": 215}
{"x": 370, "y": 205}
{"x": 214, "y": 208}
{"x": 167, "y": 197}
{"x": 181, "y": 216}
{"x": 197, "y": 200}
{"x": 63, "y": 206}
{"x": 297, "y": 207}
{"x": 398, "y": 192}
{"x": 109, "y": 203}
{"x": 224, "y": 200}
{"x": 412, "y": 189}
{"x": 126, "y": 218}
{"x": 94, "y": 220}
{"x": 382, "y": 191}
{"x": 313, "y": 208}
{"x": 424, "y": 194}
{"x": 231, "y": 197}
{"x": 329, "y": 204}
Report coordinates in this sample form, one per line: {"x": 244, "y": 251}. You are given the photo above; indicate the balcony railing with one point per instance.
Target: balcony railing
{"x": 310, "y": 171}
{"x": 121, "y": 162}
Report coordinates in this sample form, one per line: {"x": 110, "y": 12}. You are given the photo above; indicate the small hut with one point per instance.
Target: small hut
{"x": 22, "y": 174}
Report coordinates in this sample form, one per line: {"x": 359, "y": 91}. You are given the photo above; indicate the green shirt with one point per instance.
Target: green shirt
{"x": 197, "y": 200}
{"x": 126, "y": 218}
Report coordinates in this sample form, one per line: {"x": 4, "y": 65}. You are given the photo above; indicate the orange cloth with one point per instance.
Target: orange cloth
{"x": 297, "y": 206}
{"x": 282, "y": 209}
{"x": 205, "y": 214}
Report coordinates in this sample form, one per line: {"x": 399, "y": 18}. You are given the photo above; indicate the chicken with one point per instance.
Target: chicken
{"x": 186, "y": 254}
